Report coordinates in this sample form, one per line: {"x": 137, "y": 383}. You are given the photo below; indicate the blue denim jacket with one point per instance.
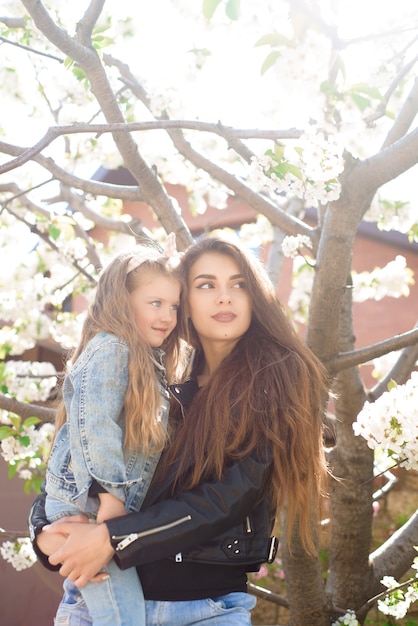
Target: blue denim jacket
{"x": 89, "y": 446}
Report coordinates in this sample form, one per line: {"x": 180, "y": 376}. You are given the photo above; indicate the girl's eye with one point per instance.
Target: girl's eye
{"x": 174, "y": 307}
{"x": 156, "y": 303}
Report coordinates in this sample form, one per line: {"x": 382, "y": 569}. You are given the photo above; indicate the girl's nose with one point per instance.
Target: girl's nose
{"x": 167, "y": 314}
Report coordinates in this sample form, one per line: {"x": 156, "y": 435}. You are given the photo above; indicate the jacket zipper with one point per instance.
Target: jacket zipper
{"x": 179, "y": 402}
{"x": 126, "y": 540}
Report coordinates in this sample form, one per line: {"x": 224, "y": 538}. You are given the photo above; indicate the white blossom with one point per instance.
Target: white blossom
{"x": 20, "y": 553}
{"x": 292, "y": 244}
{"x": 349, "y": 619}
{"x": 393, "y": 280}
{"x": 29, "y": 381}
{"x": 391, "y": 422}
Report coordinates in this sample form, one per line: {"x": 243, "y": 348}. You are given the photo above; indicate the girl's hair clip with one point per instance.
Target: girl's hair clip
{"x": 145, "y": 253}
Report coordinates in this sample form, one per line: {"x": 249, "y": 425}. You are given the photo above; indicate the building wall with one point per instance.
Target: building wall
{"x": 29, "y": 597}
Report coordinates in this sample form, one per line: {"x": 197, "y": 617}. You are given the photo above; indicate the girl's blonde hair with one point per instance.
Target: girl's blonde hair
{"x": 112, "y": 312}
{"x": 267, "y": 395}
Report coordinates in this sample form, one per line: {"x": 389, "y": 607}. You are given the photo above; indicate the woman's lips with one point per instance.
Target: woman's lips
{"x": 227, "y": 316}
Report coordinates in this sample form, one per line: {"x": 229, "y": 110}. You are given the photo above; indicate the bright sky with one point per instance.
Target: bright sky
{"x": 167, "y": 30}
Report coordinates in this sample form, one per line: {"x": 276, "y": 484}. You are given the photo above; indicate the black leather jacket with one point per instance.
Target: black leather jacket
{"x": 227, "y": 522}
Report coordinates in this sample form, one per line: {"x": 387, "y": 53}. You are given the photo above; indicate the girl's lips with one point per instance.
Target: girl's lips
{"x": 227, "y": 316}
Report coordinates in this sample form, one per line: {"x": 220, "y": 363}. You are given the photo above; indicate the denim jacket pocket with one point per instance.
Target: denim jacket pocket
{"x": 59, "y": 474}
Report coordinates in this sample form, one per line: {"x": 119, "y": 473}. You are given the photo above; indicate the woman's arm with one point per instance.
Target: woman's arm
{"x": 191, "y": 518}
{"x": 37, "y": 521}
{"x": 167, "y": 527}
{"x": 66, "y": 537}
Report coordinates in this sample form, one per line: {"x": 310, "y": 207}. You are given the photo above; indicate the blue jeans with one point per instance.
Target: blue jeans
{"x": 230, "y": 610}
{"x": 117, "y": 601}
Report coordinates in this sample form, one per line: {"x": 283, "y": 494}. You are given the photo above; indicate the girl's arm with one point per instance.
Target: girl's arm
{"x": 110, "y": 507}
{"x": 95, "y": 415}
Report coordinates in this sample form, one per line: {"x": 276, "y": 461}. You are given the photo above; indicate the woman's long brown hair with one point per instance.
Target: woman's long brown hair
{"x": 268, "y": 394}
{"x": 112, "y": 312}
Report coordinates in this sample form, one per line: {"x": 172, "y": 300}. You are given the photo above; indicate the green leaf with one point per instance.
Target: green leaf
{"x": 273, "y": 40}
{"x": 54, "y": 232}
{"x": 79, "y": 73}
{"x": 68, "y": 62}
{"x": 12, "y": 470}
{"x": 6, "y": 431}
{"x": 269, "y": 61}
{"x": 278, "y": 153}
{"x": 360, "y": 101}
{"x": 232, "y": 9}
{"x": 372, "y": 92}
{"x": 287, "y": 168}
{"x": 392, "y": 384}
{"x": 36, "y": 483}
{"x": 30, "y": 421}
{"x": 16, "y": 421}
{"x": 101, "y": 42}
{"x": 209, "y": 7}
{"x": 24, "y": 441}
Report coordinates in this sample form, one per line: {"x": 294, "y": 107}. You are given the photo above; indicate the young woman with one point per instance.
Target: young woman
{"x": 111, "y": 425}
{"x": 246, "y": 439}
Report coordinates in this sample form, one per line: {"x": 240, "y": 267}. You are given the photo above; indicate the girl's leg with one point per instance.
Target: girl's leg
{"x": 72, "y": 610}
{"x": 117, "y": 601}
{"x": 232, "y": 609}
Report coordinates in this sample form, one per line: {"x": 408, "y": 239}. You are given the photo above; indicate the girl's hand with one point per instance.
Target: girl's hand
{"x": 85, "y": 551}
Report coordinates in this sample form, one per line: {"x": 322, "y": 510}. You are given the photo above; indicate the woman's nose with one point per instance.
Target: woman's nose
{"x": 224, "y": 297}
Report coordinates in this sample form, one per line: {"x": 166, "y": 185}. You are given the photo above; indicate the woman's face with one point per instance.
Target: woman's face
{"x": 219, "y": 303}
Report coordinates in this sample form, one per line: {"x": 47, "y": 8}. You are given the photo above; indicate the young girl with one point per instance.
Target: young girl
{"x": 111, "y": 426}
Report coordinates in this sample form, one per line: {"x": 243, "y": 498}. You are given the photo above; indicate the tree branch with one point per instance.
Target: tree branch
{"x": 28, "y": 48}
{"x": 223, "y": 131}
{"x": 25, "y": 409}
{"x": 352, "y": 358}
{"x": 130, "y": 193}
{"x": 266, "y": 594}
{"x": 405, "y": 117}
{"x": 394, "y": 557}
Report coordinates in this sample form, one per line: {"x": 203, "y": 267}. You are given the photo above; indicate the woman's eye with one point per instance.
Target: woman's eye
{"x": 205, "y": 286}
{"x": 240, "y": 285}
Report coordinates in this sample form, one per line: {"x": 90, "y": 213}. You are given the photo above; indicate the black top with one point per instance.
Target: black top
{"x": 167, "y": 580}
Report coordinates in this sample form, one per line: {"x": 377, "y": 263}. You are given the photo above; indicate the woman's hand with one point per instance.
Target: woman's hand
{"x": 85, "y": 551}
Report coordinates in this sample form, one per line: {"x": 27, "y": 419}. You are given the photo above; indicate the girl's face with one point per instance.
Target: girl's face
{"x": 155, "y": 302}
{"x": 219, "y": 303}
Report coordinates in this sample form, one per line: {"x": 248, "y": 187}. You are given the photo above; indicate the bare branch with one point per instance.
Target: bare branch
{"x": 131, "y": 193}
{"x": 25, "y": 410}
{"x": 29, "y": 49}
{"x": 266, "y": 594}
{"x": 12, "y": 534}
{"x": 405, "y": 117}
{"x": 13, "y": 22}
{"x": 386, "y": 165}
{"x": 400, "y": 372}
{"x": 395, "y": 556}
{"x": 224, "y": 131}
{"x": 87, "y": 23}
{"x": 346, "y": 360}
